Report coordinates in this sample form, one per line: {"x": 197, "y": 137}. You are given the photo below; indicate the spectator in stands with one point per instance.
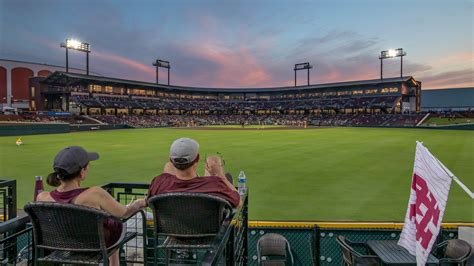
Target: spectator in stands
{"x": 71, "y": 166}
{"x": 180, "y": 174}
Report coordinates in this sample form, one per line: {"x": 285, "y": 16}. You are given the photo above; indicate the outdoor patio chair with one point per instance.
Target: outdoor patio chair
{"x": 351, "y": 257}
{"x": 274, "y": 250}
{"x": 453, "y": 252}
{"x": 71, "y": 234}
{"x": 186, "y": 221}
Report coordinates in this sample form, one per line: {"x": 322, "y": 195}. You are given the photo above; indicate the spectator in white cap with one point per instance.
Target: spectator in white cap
{"x": 180, "y": 174}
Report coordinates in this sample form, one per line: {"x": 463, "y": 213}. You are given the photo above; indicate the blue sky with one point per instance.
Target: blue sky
{"x": 247, "y": 43}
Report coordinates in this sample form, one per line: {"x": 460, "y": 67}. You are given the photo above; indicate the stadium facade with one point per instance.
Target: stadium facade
{"x": 79, "y": 93}
{"x": 14, "y": 81}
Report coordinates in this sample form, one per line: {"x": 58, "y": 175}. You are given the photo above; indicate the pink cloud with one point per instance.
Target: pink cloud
{"x": 235, "y": 67}
{"x": 135, "y": 65}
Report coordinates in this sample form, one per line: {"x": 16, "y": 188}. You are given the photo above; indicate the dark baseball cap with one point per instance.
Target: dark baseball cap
{"x": 73, "y": 158}
{"x": 184, "y": 151}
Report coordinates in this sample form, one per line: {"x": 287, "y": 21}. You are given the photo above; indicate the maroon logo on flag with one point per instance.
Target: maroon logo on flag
{"x": 426, "y": 207}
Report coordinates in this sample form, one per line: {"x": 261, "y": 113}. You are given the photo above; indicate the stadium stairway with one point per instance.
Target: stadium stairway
{"x": 93, "y": 119}
{"x": 423, "y": 119}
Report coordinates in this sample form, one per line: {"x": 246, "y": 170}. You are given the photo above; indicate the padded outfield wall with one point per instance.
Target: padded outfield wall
{"x": 20, "y": 129}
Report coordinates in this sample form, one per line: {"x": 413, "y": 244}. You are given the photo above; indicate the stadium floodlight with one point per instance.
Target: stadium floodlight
{"x": 164, "y": 64}
{"x": 78, "y": 46}
{"x": 302, "y": 66}
{"x": 391, "y": 53}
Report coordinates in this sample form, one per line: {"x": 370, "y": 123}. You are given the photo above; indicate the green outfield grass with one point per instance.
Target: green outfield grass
{"x": 246, "y": 126}
{"x": 441, "y": 121}
{"x": 325, "y": 174}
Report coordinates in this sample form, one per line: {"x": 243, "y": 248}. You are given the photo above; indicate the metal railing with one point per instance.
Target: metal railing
{"x": 15, "y": 242}
{"x": 15, "y": 234}
{"x": 135, "y": 251}
{"x": 230, "y": 245}
{"x": 8, "y": 202}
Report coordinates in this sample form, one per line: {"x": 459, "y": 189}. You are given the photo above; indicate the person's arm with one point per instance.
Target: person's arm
{"x": 109, "y": 204}
{"x": 232, "y": 195}
{"x": 214, "y": 167}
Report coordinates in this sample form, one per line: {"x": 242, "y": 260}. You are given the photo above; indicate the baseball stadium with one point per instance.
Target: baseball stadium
{"x": 106, "y": 168}
{"x": 320, "y": 160}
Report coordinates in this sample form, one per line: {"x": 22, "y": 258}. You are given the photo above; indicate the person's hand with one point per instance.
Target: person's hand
{"x": 138, "y": 204}
{"x": 214, "y": 166}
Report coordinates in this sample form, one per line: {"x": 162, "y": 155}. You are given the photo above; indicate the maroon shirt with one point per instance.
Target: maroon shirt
{"x": 112, "y": 228}
{"x": 213, "y": 185}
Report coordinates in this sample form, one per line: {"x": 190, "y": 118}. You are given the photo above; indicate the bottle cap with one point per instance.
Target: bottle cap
{"x": 38, "y": 177}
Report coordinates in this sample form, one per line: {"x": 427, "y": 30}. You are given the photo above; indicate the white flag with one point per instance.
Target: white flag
{"x": 430, "y": 186}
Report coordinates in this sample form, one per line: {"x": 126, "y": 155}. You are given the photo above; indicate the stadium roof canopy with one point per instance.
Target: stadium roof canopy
{"x": 59, "y": 78}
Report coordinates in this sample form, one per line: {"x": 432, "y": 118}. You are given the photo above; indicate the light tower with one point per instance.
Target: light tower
{"x": 391, "y": 54}
{"x": 302, "y": 66}
{"x": 164, "y": 64}
{"x": 78, "y": 46}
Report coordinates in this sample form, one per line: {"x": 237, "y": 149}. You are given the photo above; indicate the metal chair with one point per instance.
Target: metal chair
{"x": 186, "y": 220}
{"x": 351, "y": 257}
{"x": 273, "y": 250}
{"x": 453, "y": 252}
{"x": 72, "y": 234}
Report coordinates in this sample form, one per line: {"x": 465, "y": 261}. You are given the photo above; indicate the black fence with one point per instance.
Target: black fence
{"x": 230, "y": 245}
{"x": 136, "y": 250}
{"x": 15, "y": 242}
{"x": 15, "y": 233}
{"x": 7, "y": 200}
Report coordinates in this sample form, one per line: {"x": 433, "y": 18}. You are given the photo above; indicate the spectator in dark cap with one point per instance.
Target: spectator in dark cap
{"x": 180, "y": 174}
{"x": 71, "y": 166}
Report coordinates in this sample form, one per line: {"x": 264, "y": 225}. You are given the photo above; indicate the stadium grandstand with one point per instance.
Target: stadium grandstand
{"x": 32, "y": 92}
{"x": 112, "y": 100}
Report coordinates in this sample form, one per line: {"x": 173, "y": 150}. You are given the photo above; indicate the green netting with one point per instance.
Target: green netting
{"x": 325, "y": 249}
{"x": 329, "y": 252}
{"x": 449, "y": 234}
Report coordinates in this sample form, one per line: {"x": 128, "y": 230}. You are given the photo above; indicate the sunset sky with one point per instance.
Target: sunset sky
{"x": 247, "y": 43}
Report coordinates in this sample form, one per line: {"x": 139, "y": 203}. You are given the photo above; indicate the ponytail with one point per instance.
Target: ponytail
{"x": 53, "y": 179}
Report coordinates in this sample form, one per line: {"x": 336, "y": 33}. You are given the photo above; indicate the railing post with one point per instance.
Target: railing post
{"x": 12, "y": 200}
{"x": 246, "y": 227}
{"x": 315, "y": 245}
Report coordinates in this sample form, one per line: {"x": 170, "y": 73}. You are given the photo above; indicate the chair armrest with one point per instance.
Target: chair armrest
{"x": 449, "y": 261}
{"x": 123, "y": 221}
{"x": 437, "y": 250}
{"x": 440, "y": 246}
{"x": 359, "y": 244}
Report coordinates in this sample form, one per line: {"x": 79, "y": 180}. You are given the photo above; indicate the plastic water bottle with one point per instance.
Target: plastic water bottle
{"x": 242, "y": 183}
{"x": 38, "y": 186}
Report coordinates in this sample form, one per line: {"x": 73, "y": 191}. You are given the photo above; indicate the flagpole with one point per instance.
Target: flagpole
{"x": 450, "y": 174}
{"x": 455, "y": 178}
